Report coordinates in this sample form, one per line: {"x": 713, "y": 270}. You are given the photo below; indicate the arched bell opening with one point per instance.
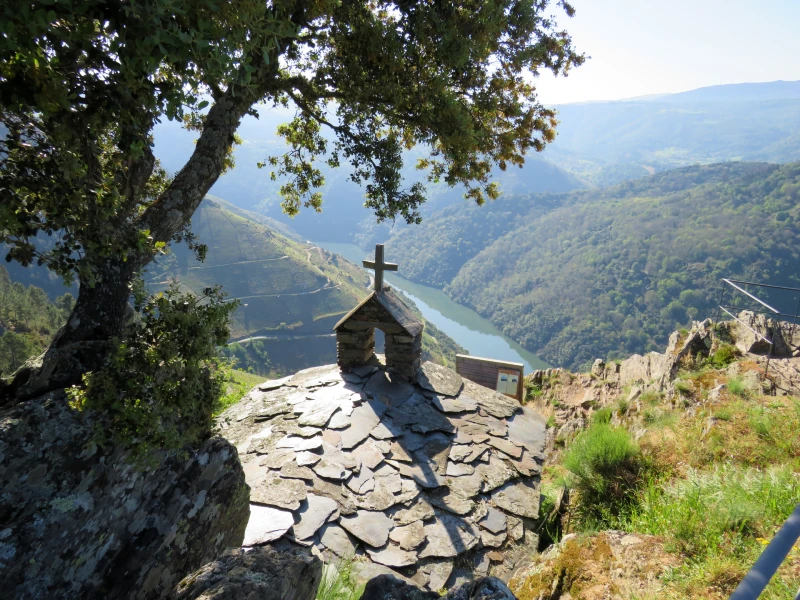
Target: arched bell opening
{"x": 402, "y": 333}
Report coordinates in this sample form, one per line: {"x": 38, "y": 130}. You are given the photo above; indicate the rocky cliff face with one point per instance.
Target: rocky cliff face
{"x": 571, "y": 397}
{"x": 78, "y": 521}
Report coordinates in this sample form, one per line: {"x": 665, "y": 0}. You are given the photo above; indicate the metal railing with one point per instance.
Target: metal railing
{"x": 778, "y": 549}
{"x": 771, "y": 558}
{"x": 765, "y": 309}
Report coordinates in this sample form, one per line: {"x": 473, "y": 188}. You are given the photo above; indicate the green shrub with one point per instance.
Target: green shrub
{"x": 736, "y": 387}
{"x": 159, "y": 386}
{"x": 606, "y": 465}
{"x": 725, "y": 355}
{"x": 683, "y": 388}
{"x": 551, "y": 421}
{"x": 602, "y": 416}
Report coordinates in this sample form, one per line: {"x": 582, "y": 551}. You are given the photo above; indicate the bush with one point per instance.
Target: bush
{"x": 606, "y": 464}
{"x": 736, "y": 387}
{"x": 602, "y": 416}
{"x": 725, "y": 355}
{"x": 160, "y": 384}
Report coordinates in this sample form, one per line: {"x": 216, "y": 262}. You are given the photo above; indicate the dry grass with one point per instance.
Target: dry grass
{"x": 750, "y": 432}
{"x": 723, "y": 476}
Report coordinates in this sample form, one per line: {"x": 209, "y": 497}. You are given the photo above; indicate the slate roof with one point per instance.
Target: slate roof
{"x": 392, "y": 303}
{"x": 415, "y": 472}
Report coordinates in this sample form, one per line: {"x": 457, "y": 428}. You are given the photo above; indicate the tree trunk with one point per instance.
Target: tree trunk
{"x": 81, "y": 344}
{"x": 100, "y": 311}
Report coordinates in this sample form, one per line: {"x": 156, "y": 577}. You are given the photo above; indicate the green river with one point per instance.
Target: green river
{"x": 463, "y": 324}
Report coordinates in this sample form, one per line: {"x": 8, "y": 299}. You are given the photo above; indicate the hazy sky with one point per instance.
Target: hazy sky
{"x": 643, "y": 47}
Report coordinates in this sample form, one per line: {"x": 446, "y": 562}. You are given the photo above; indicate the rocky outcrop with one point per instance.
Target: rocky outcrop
{"x": 388, "y": 587}
{"x": 750, "y": 331}
{"x": 79, "y": 521}
{"x": 408, "y": 476}
{"x": 262, "y": 573}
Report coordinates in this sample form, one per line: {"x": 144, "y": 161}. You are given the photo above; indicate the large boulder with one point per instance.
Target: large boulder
{"x": 751, "y": 329}
{"x": 80, "y": 521}
{"x": 262, "y": 573}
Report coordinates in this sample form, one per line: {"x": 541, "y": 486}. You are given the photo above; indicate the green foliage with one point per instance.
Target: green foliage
{"x": 718, "y": 515}
{"x": 79, "y": 123}
{"x": 606, "y": 465}
{"x": 338, "y": 582}
{"x": 610, "y": 272}
{"x": 28, "y": 321}
{"x": 723, "y": 356}
{"x": 684, "y": 388}
{"x": 602, "y": 416}
{"x": 162, "y": 382}
{"x": 736, "y": 387}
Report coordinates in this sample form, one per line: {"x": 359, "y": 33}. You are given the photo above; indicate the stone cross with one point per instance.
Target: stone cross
{"x": 379, "y": 266}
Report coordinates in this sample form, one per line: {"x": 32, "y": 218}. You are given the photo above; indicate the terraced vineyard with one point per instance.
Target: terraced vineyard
{"x": 291, "y": 294}
{"x": 284, "y": 287}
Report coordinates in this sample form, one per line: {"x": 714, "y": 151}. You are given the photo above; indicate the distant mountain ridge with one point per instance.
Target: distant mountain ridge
{"x": 597, "y": 144}
{"x": 612, "y": 271}
{"x": 735, "y": 92}
{"x": 607, "y": 142}
{"x": 343, "y": 215}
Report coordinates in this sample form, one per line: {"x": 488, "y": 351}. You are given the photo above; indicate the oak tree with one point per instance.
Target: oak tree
{"x": 82, "y": 85}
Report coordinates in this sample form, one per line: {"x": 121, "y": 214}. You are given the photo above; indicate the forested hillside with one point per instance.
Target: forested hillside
{"x": 28, "y": 321}
{"x": 609, "y": 272}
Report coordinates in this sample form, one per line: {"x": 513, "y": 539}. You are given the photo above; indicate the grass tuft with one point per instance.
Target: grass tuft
{"x": 602, "y": 416}
{"x": 338, "y": 582}
{"x": 736, "y": 387}
{"x": 725, "y": 355}
{"x": 715, "y": 518}
{"x": 606, "y": 464}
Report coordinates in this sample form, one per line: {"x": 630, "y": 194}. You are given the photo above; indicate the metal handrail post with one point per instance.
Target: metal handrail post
{"x": 771, "y": 558}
